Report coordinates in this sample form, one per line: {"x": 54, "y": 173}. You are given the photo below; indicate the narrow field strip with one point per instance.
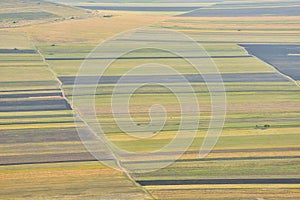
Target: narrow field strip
{"x": 143, "y": 8}
{"x": 17, "y": 51}
{"x": 220, "y": 181}
{"x": 38, "y": 126}
{"x": 142, "y": 58}
{"x": 241, "y": 12}
{"x": 193, "y": 78}
{"x": 62, "y": 121}
{"x": 224, "y": 186}
{"x": 46, "y": 158}
{"x": 235, "y": 151}
{"x": 32, "y": 95}
{"x": 34, "y": 114}
{"x": 246, "y": 158}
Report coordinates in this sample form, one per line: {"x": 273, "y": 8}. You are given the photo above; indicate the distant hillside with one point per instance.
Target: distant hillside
{"x": 14, "y": 13}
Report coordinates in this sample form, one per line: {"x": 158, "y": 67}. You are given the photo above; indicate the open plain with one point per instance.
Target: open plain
{"x": 254, "y": 45}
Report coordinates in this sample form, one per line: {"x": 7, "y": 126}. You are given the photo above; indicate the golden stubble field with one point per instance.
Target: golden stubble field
{"x": 90, "y": 30}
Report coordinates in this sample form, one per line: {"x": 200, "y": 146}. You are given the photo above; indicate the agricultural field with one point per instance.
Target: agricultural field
{"x": 286, "y": 60}
{"x": 255, "y": 46}
{"x": 238, "y": 12}
{"x": 16, "y": 13}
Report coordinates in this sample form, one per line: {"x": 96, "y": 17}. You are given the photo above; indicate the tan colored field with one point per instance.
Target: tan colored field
{"x": 89, "y": 30}
{"x": 242, "y": 23}
{"x": 65, "y": 181}
{"x": 271, "y": 193}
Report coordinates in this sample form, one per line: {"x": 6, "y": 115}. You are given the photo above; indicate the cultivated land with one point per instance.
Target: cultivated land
{"x": 15, "y": 13}
{"x": 42, "y": 156}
